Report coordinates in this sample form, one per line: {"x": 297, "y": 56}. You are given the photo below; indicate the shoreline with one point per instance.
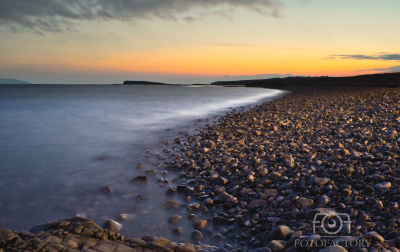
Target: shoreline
{"x": 303, "y": 150}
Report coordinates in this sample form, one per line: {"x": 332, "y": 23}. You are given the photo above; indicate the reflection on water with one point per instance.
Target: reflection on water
{"x": 60, "y": 144}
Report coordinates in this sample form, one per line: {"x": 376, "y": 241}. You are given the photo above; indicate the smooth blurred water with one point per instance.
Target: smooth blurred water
{"x": 60, "y": 143}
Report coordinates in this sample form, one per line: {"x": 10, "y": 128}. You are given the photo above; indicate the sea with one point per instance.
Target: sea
{"x": 60, "y": 144}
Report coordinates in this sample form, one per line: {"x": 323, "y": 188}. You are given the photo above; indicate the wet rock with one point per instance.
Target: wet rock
{"x": 193, "y": 207}
{"x": 140, "y": 178}
{"x": 171, "y": 204}
{"x": 196, "y": 235}
{"x": 177, "y": 231}
{"x": 170, "y": 192}
{"x": 141, "y": 197}
{"x": 200, "y": 224}
{"x": 106, "y": 190}
{"x": 175, "y": 219}
{"x": 112, "y": 225}
{"x": 150, "y": 172}
{"x": 192, "y": 217}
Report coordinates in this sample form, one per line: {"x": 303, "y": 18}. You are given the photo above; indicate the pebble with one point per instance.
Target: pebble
{"x": 200, "y": 224}
{"x": 171, "y": 204}
{"x": 383, "y": 185}
{"x": 175, "y": 219}
{"x": 106, "y": 190}
{"x": 196, "y": 235}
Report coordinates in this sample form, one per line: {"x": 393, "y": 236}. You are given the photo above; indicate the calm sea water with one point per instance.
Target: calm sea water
{"x": 60, "y": 143}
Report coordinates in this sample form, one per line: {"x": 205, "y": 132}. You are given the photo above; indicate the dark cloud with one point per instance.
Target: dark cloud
{"x": 54, "y": 15}
{"x": 367, "y": 57}
{"x": 387, "y": 69}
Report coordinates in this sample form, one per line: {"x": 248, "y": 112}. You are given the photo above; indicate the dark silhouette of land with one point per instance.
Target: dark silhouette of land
{"x": 382, "y": 79}
{"x": 13, "y": 81}
{"x": 128, "y": 82}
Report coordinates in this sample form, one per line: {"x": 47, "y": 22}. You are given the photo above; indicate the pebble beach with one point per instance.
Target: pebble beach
{"x": 316, "y": 167}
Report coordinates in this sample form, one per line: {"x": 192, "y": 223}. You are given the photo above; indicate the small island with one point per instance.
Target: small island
{"x": 13, "y": 81}
{"x": 128, "y": 82}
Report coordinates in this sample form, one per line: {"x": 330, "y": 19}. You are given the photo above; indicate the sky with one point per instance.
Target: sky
{"x": 195, "y": 41}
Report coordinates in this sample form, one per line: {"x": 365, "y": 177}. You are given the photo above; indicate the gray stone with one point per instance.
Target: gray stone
{"x": 276, "y": 245}
{"x": 271, "y": 193}
{"x": 304, "y": 202}
{"x": 280, "y": 232}
{"x": 112, "y": 225}
{"x": 383, "y": 185}
{"x": 320, "y": 181}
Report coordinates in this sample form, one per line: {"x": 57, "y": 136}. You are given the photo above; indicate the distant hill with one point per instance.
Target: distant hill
{"x": 380, "y": 79}
{"x": 128, "y": 82}
{"x": 13, "y": 81}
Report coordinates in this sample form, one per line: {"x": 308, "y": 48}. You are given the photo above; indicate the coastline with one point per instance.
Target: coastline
{"x": 315, "y": 148}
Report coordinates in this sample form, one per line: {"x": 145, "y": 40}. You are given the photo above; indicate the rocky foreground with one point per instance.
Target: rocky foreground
{"x": 79, "y": 234}
{"x": 261, "y": 177}
{"x": 281, "y": 176}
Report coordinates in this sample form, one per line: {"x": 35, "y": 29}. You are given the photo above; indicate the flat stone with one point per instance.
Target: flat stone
{"x": 280, "y": 232}
{"x": 271, "y": 193}
{"x": 321, "y": 181}
{"x": 304, "y": 202}
{"x": 383, "y": 185}
{"x": 171, "y": 204}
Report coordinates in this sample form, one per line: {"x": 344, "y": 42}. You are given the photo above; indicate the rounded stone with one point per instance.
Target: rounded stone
{"x": 175, "y": 219}
{"x": 200, "y": 224}
{"x": 177, "y": 231}
{"x": 171, "y": 204}
{"x": 196, "y": 235}
{"x": 192, "y": 217}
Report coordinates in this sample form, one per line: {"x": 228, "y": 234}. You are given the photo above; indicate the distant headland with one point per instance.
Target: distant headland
{"x": 13, "y": 81}
{"x": 128, "y": 82}
{"x": 381, "y": 79}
